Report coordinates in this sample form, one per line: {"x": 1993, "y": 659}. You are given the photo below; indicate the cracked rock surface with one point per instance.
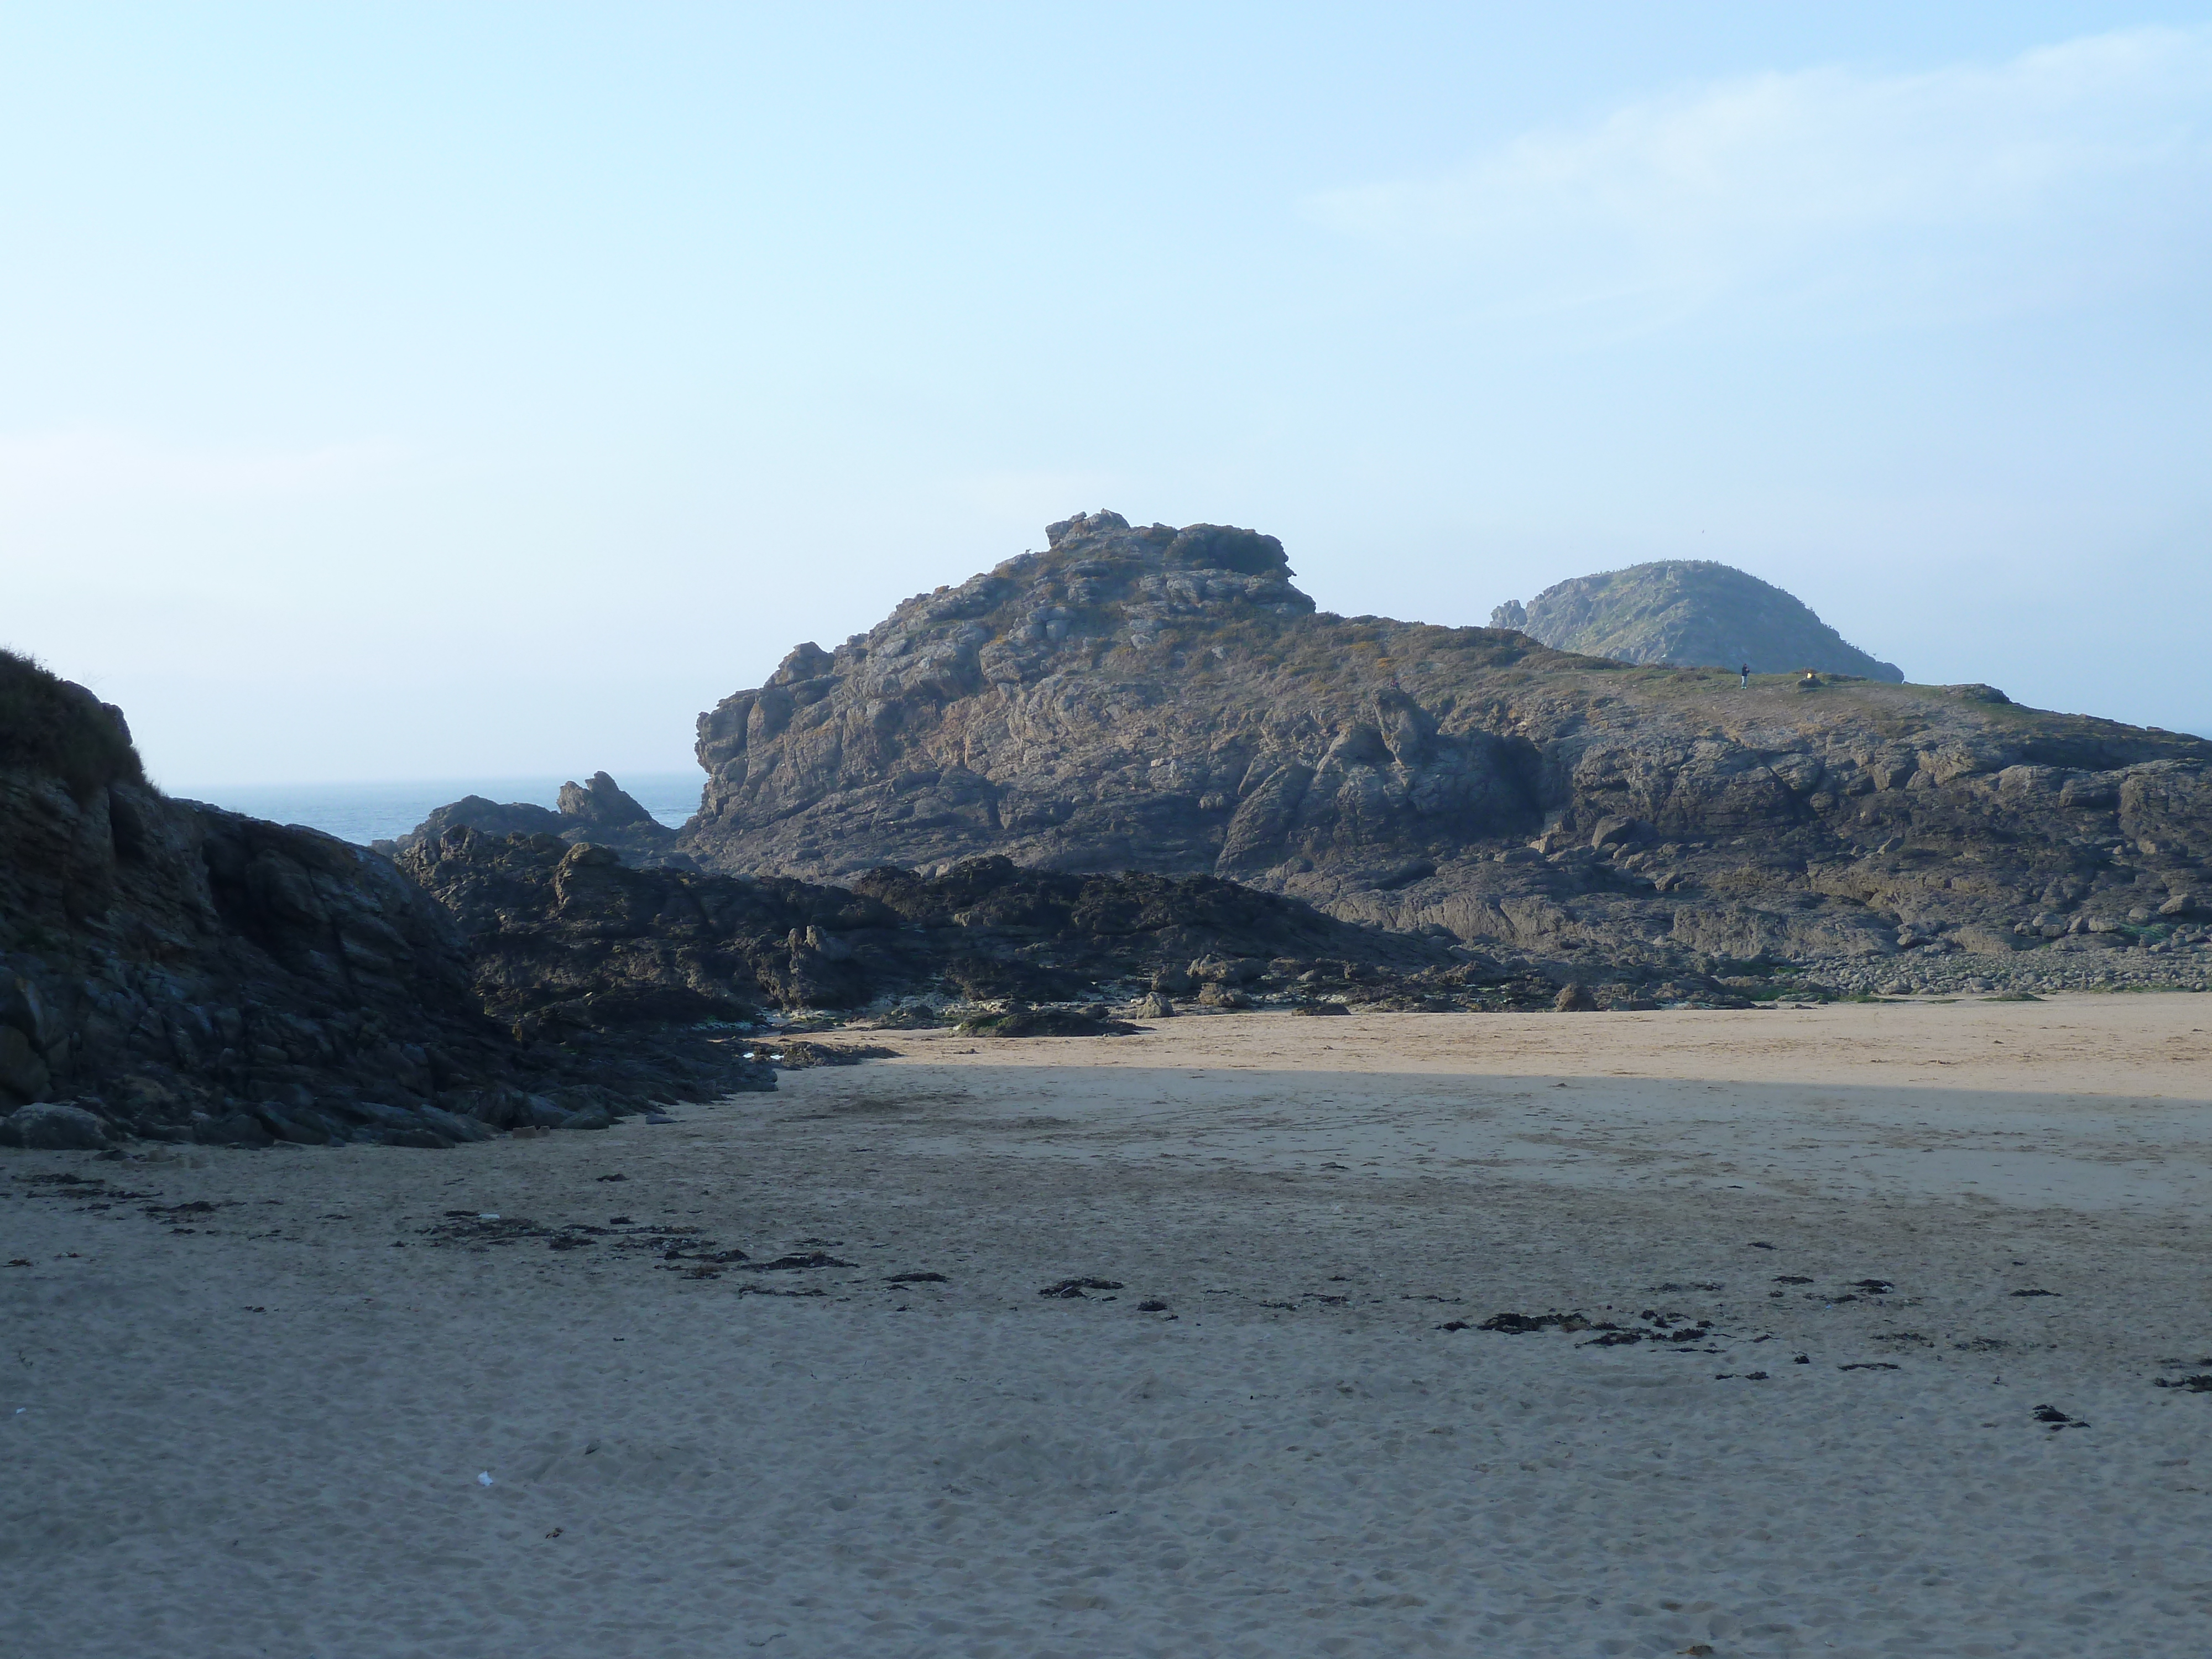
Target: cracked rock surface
{"x": 1142, "y": 697}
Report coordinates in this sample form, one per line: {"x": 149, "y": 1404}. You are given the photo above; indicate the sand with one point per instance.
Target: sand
{"x": 261, "y": 1429}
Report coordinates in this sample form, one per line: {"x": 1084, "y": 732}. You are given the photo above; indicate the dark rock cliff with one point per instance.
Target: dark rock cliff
{"x": 1165, "y": 700}
{"x": 1691, "y": 612}
{"x": 185, "y": 971}
{"x": 562, "y": 938}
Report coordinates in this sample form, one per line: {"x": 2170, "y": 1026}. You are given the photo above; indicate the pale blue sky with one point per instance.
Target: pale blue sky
{"x": 395, "y": 391}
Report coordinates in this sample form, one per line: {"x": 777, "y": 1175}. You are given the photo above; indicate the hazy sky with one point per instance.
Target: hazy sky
{"x": 394, "y": 392}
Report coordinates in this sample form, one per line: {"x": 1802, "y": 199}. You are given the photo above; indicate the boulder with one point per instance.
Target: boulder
{"x": 27, "y": 1009}
{"x": 232, "y": 1129}
{"x": 400, "y": 1126}
{"x": 54, "y": 1125}
{"x": 1575, "y": 1000}
{"x": 1615, "y": 831}
{"x": 454, "y": 1126}
{"x": 1046, "y": 1022}
{"x": 24, "y": 1075}
{"x": 1220, "y": 970}
{"x": 1988, "y": 938}
{"x": 300, "y": 1125}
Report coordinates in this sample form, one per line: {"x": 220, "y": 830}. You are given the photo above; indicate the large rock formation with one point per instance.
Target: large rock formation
{"x": 604, "y": 804}
{"x": 567, "y": 938}
{"x": 601, "y": 812}
{"x": 180, "y": 970}
{"x": 1690, "y": 612}
{"x": 1165, "y": 700}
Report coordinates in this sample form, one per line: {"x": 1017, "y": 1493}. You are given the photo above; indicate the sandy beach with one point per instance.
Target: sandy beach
{"x": 1861, "y": 1314}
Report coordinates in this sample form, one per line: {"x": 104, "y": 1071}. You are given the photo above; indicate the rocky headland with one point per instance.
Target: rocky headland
{"x": 1165, "y": 700}
{"x": 1691, "y": 612}
{"x": 174, "y": 971}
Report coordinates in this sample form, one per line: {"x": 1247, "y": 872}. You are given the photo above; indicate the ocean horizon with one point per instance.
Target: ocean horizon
{"x": 364, "y": 812}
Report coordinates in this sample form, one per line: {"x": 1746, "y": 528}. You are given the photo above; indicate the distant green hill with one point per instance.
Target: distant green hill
{"x": 1690, "y": 612}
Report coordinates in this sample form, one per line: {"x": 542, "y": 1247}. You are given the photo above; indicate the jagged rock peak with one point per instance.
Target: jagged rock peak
{"x": 1194, "y": 547}
{"x": 1099, "y": 586}
{"x": 602, "y": 801}
{"x": 1693, "y": 612}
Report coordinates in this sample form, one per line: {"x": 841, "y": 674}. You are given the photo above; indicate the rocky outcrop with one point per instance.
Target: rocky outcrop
{"x": 603, "y": 805}
{"x": 1691, "y": 612}
{"x": 54, "y": 728}
{"x": 601, "y": 811}
{"x": 568, "y": 938}
{"x": 480, "y": 813}
{"x": 171, "y": 969}
{"x": 1163, "y": 700}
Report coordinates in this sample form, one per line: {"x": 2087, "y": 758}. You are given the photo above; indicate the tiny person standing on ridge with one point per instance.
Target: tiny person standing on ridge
{"x": 1746, "y": 672}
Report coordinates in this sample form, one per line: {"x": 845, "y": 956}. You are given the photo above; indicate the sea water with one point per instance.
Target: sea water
{"x": 364, "y": 812}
